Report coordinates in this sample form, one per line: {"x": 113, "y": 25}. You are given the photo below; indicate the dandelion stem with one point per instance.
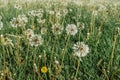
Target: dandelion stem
{"x": 112, "y": 54}
{"x": 77, "y": 68}
{"x": 4, "y": 63}
{"x": 34, "y": 62}
{"x": 64, "y": 51}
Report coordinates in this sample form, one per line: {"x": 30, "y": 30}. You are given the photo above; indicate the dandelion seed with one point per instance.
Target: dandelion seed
{"x": 44, "y": 69}
{"x": 58, "y": 14}
{"x": 22, "y": 20}
{"x": 41, "y": 21}
{"x": 17, "y": 6}
{"x": 65, "y": 11}
{"x": 40, "y": 56}
{"x": 80, "y": 49}
{"x": 71, "y": 29}
{"x": 57, "y": 29}
{"x": 51, "y": 12}
{"x": 43, "y": 30}
{"x": 15, "y": 22}
{"x": 94, "y": 13}
{"x": 29, "y": 33}
{"x": 80, "y": 25}
{"x": 31, "y": 13}
{"x": 36, "y": 40}
{"x": 56, "y": 62}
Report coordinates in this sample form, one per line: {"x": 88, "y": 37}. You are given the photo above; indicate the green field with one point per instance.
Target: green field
{"x": 60, "y": 40}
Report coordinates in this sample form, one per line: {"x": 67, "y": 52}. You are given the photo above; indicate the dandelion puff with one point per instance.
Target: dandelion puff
{"x": 17, "y": 6}
{"x": 80, "y": 26}
{"x": 65, "y": 11}
{"x": 58, "y": 14}
{"x": 80, "y": 49}
{"x": 15, "y": 22}
{"x": 41, "y": 21}
{"x": 71, "y": 29}
{"x": 22, "y": 19}
{"x": 43, "y": 30}
{"x": 29, "y": 33}
{"x": 51, "y": 12}
{"x": 57, "y": 29}
{"x": 36, "y": 40}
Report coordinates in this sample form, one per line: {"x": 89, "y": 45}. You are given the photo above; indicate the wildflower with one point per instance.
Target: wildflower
{"x": 71, "y": 29}
{"x": 36, "y": 40}
{"x": 57, "y": 29}
{"x": 15, "y": 22}
{"x": 29, "y": 33}
{"x": 17, "y": 6}
{"x": 65, "y": 11}
{"x": 58, "y": 14}
{"x": 44, "y": 69}
{"x": 41, "y": 21}
{"x": 80, "y": 49}
{"x": 80, "y": 25}
{"x": 31, "y": 13}
{"x": 35, "y": 66}
{"x": 40, "y": 56}
{"x": 56, "y": 62}
{"x": 51, "y": 12}
{"x": 22, "y": 20}
{"x": 43, "y": 30}
{"x": 94, "y": 13}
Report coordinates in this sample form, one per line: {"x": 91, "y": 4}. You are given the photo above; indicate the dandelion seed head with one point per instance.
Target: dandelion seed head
{"x": 71, "y": 29}
{"x": 57, "y": 29}
{"x": 80, "y": 49}
{"x": 36, "y": 40}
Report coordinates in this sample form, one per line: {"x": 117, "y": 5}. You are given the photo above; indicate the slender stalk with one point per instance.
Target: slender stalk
{"x": 112, "y": 54}
{"x": 4, "y": 63}
{"x": 64, "y": 51}
{"x": 34, "y": 62}
{"x": 77, "y": 68}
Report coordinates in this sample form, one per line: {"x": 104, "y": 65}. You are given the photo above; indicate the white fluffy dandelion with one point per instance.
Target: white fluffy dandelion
{"x": 43, "y": 30}
{"x": 17, "y": 6}
{"x": 29, "y": 33}
{"x": 71, "y": 29}
{"x": 57, "y": 29}
{"x": 36, "y": 40}
{"x": 15, "y": 22}
{"x": 22, "y": 20}
{"x": 80, "y": 49}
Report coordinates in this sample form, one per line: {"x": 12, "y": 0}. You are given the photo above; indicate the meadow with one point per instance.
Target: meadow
{"x": 60, "y": 40}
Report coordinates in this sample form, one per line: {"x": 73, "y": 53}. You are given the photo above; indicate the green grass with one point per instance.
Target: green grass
{"x": 101, "y": 63}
